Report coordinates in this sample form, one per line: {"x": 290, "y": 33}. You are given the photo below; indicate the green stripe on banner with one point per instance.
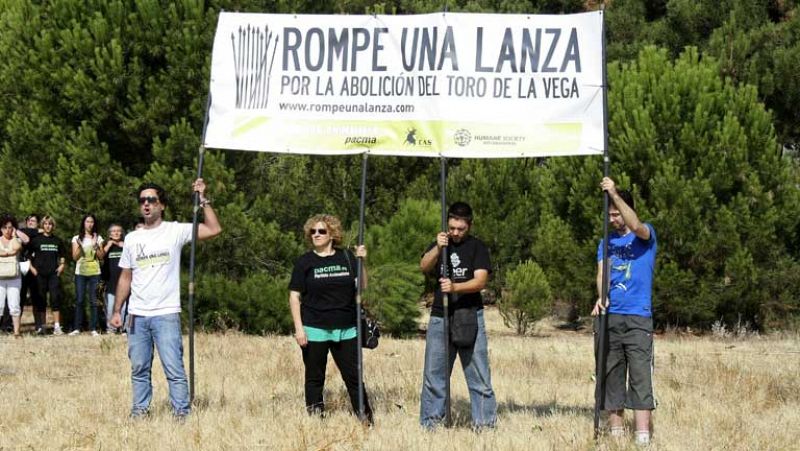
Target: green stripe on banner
{"x": 410, "y": 137}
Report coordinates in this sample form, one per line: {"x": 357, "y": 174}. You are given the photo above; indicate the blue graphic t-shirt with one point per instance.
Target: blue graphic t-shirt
{"x": 631, "y": 276}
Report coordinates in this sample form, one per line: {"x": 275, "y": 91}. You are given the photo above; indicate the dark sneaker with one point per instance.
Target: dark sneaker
{"x": 139, "y": 414}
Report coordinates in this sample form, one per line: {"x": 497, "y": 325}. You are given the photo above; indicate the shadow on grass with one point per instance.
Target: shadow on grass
{"x": 462, "y": 415}
{"x": 539, "y": 410}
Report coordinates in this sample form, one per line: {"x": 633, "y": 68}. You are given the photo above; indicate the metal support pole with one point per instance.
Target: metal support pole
{"x": 359, "y": 288}
{"x": 445, "y": 296}
{"x": 193, "y": 250}
{"x": 601, "y": 343}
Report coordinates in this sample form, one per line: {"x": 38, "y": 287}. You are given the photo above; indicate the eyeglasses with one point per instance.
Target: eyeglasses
{"x": 319, "y": 231}
{"x": 150, "y": 199}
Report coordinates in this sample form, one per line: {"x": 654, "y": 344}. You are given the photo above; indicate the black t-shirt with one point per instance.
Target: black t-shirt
{"x": 465, "y": 257}
{"x": 27, "y": 249}
{"x": 327, "y": 289}
{"x": 111, "y": 269}
{"x": 45, "y": 252}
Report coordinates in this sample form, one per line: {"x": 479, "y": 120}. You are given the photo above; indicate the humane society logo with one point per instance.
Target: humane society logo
{"x": 462, "y": 137}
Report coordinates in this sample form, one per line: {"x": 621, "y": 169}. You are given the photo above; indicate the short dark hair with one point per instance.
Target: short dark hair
{"x": 460, "y": 210}
{"x": 162, "y": 194}
{"x": 32, "y": 215}
{"x": 627, "y": 197}
{"x": 5, "y": 218}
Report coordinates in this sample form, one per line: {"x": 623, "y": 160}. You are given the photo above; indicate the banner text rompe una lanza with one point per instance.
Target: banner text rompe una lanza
{"x": 521, "y": 50}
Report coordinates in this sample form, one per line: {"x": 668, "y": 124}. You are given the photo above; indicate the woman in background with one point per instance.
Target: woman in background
{"x": 10, "y": 276}
{"x": 47, "y": 264}
{"x": 113, "y": 252}
{"x": 87, "y": 250}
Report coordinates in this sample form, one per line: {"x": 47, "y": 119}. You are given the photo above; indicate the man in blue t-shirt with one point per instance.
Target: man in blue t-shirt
{"x": 631, "y": 257}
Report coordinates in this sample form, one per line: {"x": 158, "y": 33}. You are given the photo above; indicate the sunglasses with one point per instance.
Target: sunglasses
{"x": 319, "y": 231}
{"x": 150, "y": 199}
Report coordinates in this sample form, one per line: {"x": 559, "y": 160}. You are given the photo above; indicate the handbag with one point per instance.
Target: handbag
{"x": 9, "y": 269}
{"x": 370, "y": 331}
{"x": 464, "y": 327}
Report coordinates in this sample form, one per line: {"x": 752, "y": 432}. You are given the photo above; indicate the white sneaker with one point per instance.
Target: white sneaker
{"x": 57, "y": 331}
{"x": 74, "y": 333}
{"x": 95, "y": 333}
{"x": 642, "y": 438}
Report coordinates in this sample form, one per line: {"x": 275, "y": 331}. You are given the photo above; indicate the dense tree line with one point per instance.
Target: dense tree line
{"x": 96, "y": 96}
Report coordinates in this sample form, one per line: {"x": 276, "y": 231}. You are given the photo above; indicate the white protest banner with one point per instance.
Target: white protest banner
{"x": 446, "y": 84}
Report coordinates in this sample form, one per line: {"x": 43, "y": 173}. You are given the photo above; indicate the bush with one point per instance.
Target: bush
{"x": 527, "y": 297}
{"x": 392, "y": 295}
{"x": 258, "y": 303}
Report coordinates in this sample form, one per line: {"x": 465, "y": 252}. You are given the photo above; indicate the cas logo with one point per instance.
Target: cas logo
{"x": 413, "y": 140}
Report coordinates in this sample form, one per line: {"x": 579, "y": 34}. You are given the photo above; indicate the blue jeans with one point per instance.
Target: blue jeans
{"x": 165, "y": 332}
{"x": 88, "y": 285}
{"x": 474, "y": 361}
{"x": 110, "y": 300}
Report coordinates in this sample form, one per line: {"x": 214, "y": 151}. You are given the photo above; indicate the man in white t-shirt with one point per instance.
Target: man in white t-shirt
{"x": 150, "y": 265}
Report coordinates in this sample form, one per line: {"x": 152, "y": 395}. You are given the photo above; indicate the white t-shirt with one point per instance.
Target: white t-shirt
{"x": 88, "y": 265}
{"x": 154, "y": 257}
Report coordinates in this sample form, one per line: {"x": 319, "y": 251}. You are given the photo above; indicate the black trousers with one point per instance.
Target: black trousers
{"x": 29, "y": 285}
{"x": 315, "y": 358}
{"x": 48, "y": 283}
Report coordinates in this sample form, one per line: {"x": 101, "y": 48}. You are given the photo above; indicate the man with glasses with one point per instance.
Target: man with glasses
{"x": 150, "y": 265}
{"x": 468, "y": 268}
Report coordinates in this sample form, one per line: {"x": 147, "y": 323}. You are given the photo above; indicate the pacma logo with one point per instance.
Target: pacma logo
{"x": 360, "y": 140}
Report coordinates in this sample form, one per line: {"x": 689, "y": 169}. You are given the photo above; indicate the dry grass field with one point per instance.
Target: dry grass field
{"x": 64, "y": 393}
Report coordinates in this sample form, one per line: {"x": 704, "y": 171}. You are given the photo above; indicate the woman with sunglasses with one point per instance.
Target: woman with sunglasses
{"x": 322, "y": 298}
{"x": 87, "y": 250}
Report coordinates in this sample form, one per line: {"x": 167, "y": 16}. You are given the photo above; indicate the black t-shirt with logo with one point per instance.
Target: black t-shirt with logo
{"x": 111, "y": 269}
{"x": 45, "y": 252}
{"x": 327, "y": 289}
{"x": 465, "y": 257}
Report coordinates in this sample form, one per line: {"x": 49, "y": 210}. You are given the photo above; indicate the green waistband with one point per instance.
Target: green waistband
{"x": 337, "y": 335}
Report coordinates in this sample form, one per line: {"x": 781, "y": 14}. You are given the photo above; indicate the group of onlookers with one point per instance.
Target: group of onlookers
{"x": 33, "y": 259}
